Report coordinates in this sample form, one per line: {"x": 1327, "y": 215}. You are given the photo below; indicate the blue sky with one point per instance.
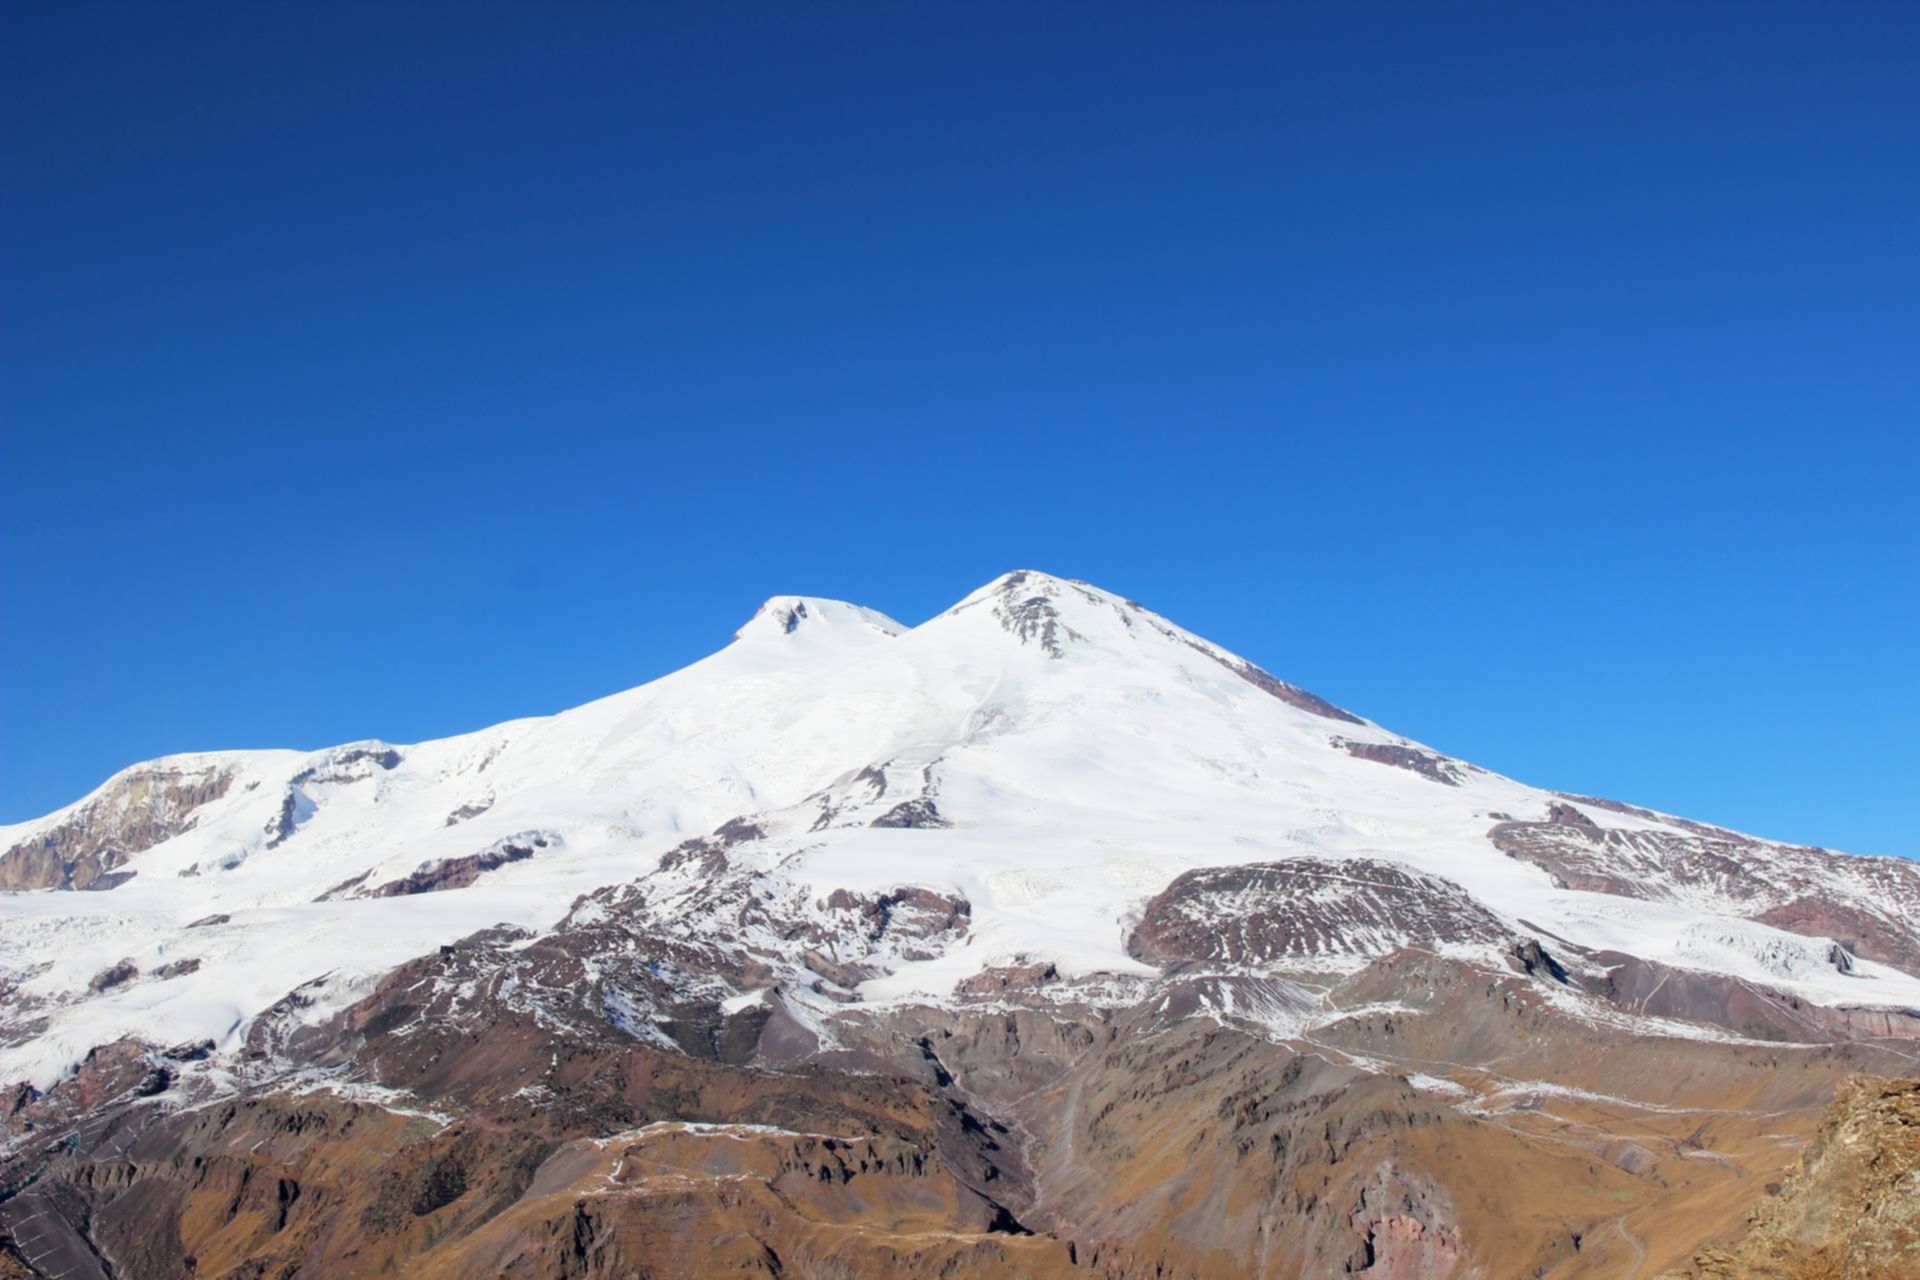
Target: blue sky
{"x": 1542, "y": 384}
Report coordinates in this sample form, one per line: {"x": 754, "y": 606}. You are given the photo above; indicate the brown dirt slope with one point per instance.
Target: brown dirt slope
{"x": 1851, "y": 1210}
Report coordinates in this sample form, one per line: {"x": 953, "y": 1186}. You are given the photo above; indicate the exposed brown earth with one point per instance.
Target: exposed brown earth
{"x": 1044, "y": 1139}
{"x": 1850, "y": 1210}
{"x": 1747, "y": 1008}
{"x": 527, "y": 1181}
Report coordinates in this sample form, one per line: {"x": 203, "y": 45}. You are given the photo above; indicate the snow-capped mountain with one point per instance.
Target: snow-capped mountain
{"x": 839, "y": 839}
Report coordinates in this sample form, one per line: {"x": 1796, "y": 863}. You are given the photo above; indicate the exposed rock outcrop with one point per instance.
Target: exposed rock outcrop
{"x": 918, "y": 812}
{"x": 1303, "y": 910}
{"x": 1030, "y": 616}
{"x": 1292, "y": 695}
{"x": 458, "y": 873}
{"x": 1851, "y": 1209}
{"x": 1746, "y": 1008}
{"x": 1434, "y": 768}
{"x": 355, "y": 762}
{"x": 922, "y": 918}
{"x": 118, "y": 974}
{"x": 1000, "y": 980}
{"x": 1536, "y": 961}
{"x": 138, "y": 809}
{"x": 471, "y": 809}
{"x": 1870, "y": 906}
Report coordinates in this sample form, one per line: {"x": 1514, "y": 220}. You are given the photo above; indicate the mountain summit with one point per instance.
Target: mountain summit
{"x": 788, "y": 615}
{"x": 969, "y": 896}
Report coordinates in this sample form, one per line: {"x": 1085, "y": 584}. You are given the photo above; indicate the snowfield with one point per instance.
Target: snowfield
{"x": 1046, "y": 750}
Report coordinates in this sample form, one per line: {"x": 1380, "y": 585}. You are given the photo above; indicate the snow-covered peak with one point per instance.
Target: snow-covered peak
{"x": 1067, "y": 619}
{"x": 784, "y": 616}
{"x": 1033, "y": 582}
{"x": 1052, "y": 753}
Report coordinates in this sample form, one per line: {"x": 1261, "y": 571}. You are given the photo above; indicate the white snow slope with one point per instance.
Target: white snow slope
{"x": 1083, "y": 750}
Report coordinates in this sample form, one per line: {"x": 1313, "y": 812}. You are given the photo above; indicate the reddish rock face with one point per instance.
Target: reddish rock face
{"x": 1301, "y": 910}
{"x": 1406, "y": 1230}
{"x": 1434, "y": 768}
{"x": 1745, "y": 1008}
{"x": 140, "y": 808}
{"x": 1685, "y": 824}
{"x": 1292, "y": 695}
{"x": 458, "y": 873}
{"x": 110, "y": 1072}
{"x": 1565, "y": 815}
{"x": 999, "y": 981}
{"x": 1871, "y": 906}
{"x": 1848, "y": 925}
{"x": 923, "y": 917}
{"x": 114, "y": 975}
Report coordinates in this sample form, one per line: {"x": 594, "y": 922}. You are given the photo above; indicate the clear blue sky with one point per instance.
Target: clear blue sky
{"x": 1541, "y": 383}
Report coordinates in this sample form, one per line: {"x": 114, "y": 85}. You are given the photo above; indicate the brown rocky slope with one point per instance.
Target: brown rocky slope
{"x": 1850, "y": 1210}
{"x": 1444, "y": 1121}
